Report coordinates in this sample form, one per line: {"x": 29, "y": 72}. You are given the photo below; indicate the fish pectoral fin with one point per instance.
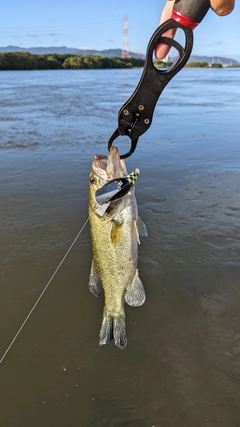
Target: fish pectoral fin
{"x": 135, "y": 295}
{"x": 140, "y": 229}
{"x": 136, "y": 232}
{"x": 95, "y": 284}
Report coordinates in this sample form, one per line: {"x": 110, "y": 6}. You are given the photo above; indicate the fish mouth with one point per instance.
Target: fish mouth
{"x": 100, "y": 161}
{"x": 112, "y": 166}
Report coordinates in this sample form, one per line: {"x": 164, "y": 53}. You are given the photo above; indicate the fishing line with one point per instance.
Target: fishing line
{"x": 44, "y": 290}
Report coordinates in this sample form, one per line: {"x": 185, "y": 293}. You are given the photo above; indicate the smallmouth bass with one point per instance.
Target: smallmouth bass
{"x": 115, "y": 239}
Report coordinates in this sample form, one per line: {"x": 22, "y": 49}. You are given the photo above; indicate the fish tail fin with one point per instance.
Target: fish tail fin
{"x": 113, "y": 328}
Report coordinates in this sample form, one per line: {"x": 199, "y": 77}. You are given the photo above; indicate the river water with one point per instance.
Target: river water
{"x": 181, "y": 367}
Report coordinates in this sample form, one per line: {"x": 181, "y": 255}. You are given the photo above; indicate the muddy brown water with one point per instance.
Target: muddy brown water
{"x": 181, "y": 366}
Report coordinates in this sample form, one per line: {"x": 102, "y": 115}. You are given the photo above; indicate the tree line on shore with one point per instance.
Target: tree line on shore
{"x": 202, "y": 65}
{"x": 26, "y": 61}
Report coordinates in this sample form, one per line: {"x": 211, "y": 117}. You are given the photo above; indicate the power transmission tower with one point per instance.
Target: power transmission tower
{"x": 125, "y": 45}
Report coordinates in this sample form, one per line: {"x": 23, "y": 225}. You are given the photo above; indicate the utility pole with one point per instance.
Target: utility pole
{"x": 125, "y": 45}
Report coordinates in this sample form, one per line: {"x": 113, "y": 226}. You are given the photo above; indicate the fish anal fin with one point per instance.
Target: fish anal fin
{"x": 95, "y": 284}
{"x": 113, "y": 328}
{"x": 135, "y": 295}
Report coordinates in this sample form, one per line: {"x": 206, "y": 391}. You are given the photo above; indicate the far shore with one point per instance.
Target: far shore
{"x": 26, "y": 61}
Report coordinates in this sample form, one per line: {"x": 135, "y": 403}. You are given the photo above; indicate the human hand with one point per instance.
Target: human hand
{"x": 220, "y": 7}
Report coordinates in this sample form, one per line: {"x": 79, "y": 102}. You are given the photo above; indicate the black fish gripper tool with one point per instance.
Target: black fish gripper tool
{"x": 135, "y": 116}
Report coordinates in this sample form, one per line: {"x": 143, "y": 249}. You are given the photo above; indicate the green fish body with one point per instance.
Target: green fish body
{"x": 115, "y": 239}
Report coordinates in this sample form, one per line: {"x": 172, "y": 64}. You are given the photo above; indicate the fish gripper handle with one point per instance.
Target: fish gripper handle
{"x": 190, "y": 12}
{"x": 135, "y": 116}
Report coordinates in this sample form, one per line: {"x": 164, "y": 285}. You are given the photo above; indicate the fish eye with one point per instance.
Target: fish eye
{"x": 92, "y": 179}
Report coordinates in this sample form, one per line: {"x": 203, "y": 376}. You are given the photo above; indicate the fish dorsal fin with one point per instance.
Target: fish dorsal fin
{"x": 95, "y": 284}
{"x": 135, "y": 295}
{"x": 140, "y": 229}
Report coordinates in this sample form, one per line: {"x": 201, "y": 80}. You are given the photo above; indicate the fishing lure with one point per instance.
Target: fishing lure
{"x": 114, "y": 190}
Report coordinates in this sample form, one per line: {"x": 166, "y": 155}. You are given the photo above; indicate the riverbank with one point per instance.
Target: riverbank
{"x": 26, "y": 61}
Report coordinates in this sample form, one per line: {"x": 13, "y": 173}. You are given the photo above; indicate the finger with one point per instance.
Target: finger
{"x": 161, "y": 49}
{"x": 167, "y": 11}
{"x": 222, "y": 7}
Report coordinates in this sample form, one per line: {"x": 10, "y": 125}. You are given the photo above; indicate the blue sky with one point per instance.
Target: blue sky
{"x": 99, "y": 25}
